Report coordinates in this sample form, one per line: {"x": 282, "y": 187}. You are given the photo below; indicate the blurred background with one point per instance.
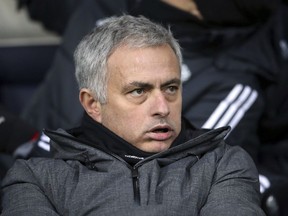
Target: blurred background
{"x": 26, "y": 52}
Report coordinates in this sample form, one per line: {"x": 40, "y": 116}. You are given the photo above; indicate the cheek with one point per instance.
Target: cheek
{"x": 176, "y": 107}
{"x": 121, "y": 118}
{"x": 125, "y": 124}
{"x": 132, "y": 118}
{"x": 131, "y": 121}
{"x": 176, "y": 114}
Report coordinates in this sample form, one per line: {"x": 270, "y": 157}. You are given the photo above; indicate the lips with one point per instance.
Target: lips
{"x": 161, "y": 133}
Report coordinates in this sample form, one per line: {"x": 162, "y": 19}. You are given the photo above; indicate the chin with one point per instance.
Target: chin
{"x": 158, "y": 147}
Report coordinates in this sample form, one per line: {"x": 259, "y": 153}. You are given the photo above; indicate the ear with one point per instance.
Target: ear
{"x": 91, "y": 106}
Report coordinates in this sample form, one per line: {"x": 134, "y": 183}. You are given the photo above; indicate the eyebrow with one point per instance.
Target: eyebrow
{"x": 150, "y": 86}
{"x": 172, "y": 81}
{"x": 138, "y": 85}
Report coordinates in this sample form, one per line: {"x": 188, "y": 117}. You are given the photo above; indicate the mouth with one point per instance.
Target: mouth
{"x": 161, "y": 133}
{"x": 160, "y": 130}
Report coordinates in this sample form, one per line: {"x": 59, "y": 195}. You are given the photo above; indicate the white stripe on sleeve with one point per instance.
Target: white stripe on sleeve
{"x": 232, "y": 109}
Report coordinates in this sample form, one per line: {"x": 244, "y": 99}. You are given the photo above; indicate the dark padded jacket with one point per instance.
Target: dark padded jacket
{"x": 202, "y": 176}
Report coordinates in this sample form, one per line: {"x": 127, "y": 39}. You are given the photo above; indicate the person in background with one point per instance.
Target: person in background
{"x": 133, "y": 153}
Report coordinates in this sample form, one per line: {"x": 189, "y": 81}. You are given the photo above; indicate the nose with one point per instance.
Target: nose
{"x": 160, "y": 105}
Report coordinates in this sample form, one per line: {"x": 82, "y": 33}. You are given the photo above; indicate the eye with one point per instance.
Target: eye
{"x": 137, "y": 92}
{"x": 172, "y": 89}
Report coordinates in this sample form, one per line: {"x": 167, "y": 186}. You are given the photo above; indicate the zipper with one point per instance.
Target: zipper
{"x": 136, "y": 189}
{"x": 135, "y": 176}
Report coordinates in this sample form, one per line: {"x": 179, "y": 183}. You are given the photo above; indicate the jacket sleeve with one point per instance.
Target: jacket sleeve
{"x": 21, "y": 194}
{"x": 235, "y": 188}
{"x": 237, "y": 12}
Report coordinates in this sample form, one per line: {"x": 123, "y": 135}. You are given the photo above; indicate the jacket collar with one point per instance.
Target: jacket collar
{"x": 68, "y": 146}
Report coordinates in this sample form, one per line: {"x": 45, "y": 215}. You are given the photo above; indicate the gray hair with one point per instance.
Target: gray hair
{"x": 93, "y": 51}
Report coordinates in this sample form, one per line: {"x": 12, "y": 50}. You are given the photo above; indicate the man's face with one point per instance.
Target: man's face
{"x": 144, "y": 97}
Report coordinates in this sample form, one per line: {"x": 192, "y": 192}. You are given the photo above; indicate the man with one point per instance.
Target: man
{"x": 133, "y": 154}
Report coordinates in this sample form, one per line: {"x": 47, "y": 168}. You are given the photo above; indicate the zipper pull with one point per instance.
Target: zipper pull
{"x": 135, "y": 178}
